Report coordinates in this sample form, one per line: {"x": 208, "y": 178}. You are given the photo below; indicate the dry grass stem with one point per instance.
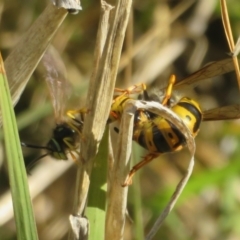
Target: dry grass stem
{"x": 196, "y": 27}
{"x": 227, "y": 25}
{"x": 117, "y": 197}
{"x": 181, "y": 185}
{"x": 229, "y": 36}
{"x": 84, "y": 174}
{"x": 159, "y": 61}
{"x": 196, "y": 59}
{"x": 198, "y": 23}
{"x": 37, "y": 184}
{"x": 101, "y": 35}
{"x": 99, "y": 99}
{"x": 68, "y": 4}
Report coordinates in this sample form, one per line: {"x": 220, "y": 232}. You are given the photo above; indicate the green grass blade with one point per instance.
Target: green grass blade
{"x": 24, "y": 218}
{"x": 97, "y": 193}
{"x": 136, "y": 196}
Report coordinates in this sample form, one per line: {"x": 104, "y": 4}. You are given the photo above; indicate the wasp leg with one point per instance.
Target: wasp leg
{"x": 114, "y": 115}
{"x": 148, "y": 158}
{"x": 119, "y": 101}
{"x": 73, "y": 157}
{"x": 72, "y": 149}
{"x": 75, "y": 128}
{"x": 137, "y": 88}
{"x": 168, "y": 93}
{"x": 72, "y": 115}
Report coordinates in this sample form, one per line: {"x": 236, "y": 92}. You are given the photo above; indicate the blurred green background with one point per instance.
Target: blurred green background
{"x": 167, "y": 37}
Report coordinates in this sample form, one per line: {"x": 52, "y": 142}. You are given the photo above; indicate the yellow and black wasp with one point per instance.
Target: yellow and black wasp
{"x": 159, "y": 135}
{"x": 66, "y": 135}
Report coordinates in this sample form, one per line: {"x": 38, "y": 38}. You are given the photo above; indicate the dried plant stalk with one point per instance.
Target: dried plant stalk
{"x": 6, "y": 210}
{"x": 117, "y": 202}
{"x": 72, "y": 5}
{"x": 228, "y": 32}
{"x": 99, "y": 99}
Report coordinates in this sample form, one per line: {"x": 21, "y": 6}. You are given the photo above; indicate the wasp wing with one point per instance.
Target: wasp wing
{"x": 222, "y": 113}
{"x": 211, "y": 70}
{"x": 56, "y": 81}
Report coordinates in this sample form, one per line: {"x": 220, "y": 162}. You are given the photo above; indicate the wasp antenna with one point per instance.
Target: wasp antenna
{"x": 32, "y": 163}
{"x": 34, "y": 146}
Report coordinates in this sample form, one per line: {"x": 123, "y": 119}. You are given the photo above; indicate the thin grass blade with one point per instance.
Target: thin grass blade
{"x": 24, "y": 218}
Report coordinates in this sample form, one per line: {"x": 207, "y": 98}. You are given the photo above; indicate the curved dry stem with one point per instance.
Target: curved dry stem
{"x": 166, "y": 113}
